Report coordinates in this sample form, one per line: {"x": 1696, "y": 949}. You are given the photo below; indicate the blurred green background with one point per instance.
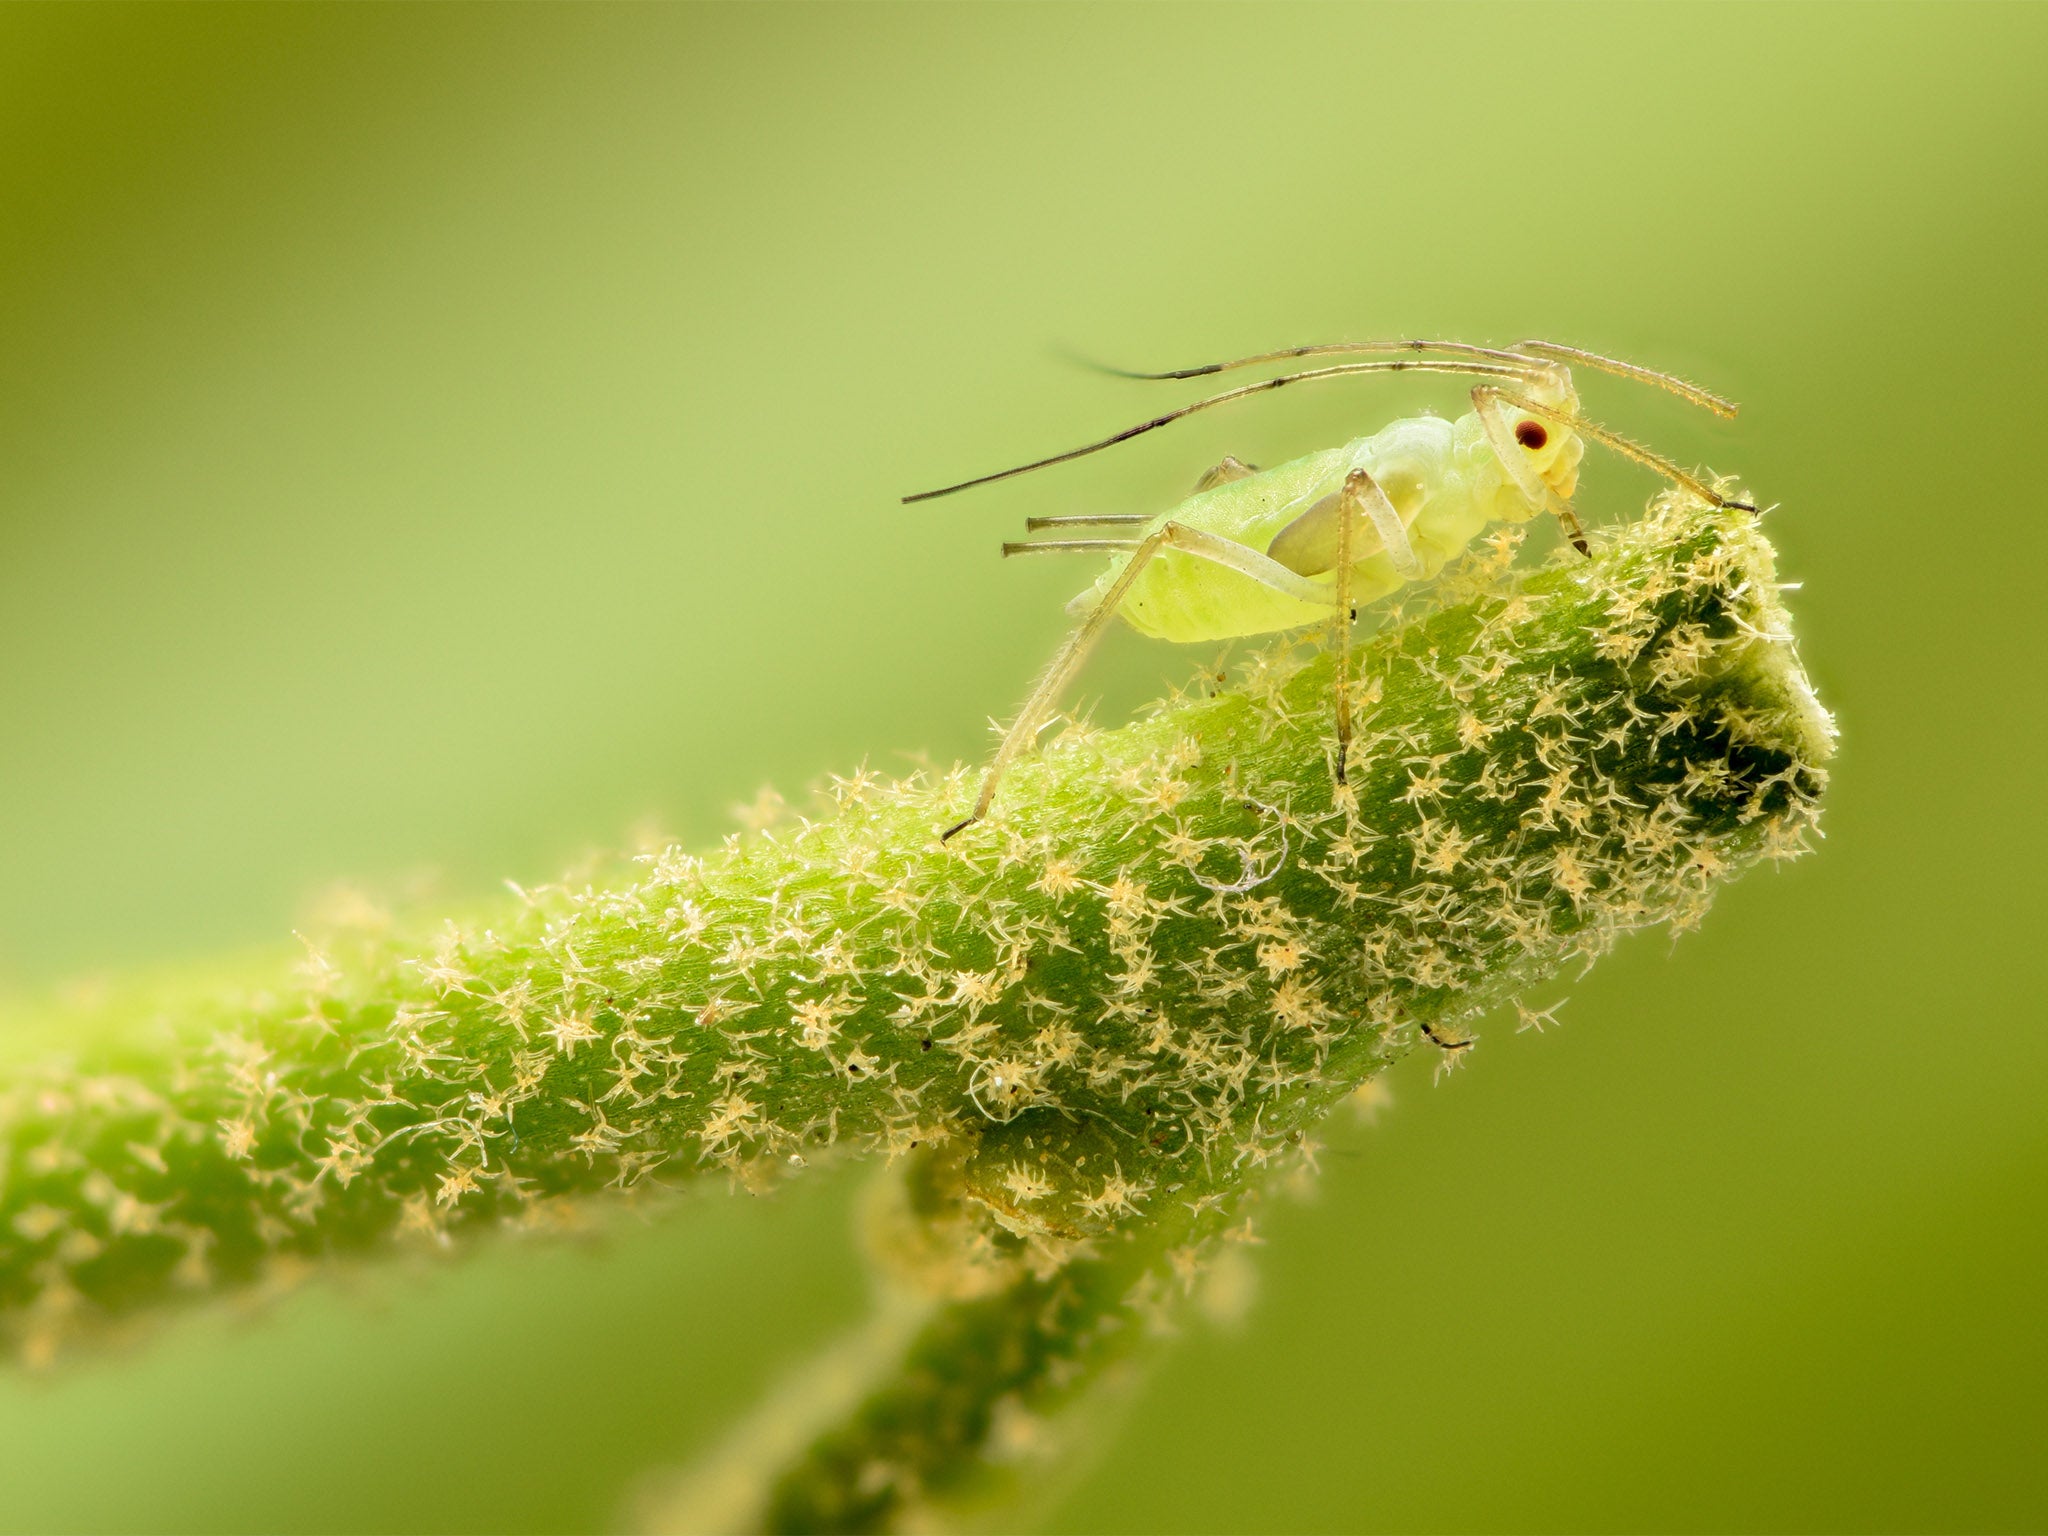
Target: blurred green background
{"x": 438, "y": 439}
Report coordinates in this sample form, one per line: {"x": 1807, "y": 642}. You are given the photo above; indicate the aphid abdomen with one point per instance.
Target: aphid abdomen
{"x": 1187, "y": 600}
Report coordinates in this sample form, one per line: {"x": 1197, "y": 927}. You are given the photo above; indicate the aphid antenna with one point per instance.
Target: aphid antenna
{"x": 1614, "y": 440}
{"x": 1532, "y": 353}
{"x": 1522, "y": 369}
{"x": 1319, "y": 349}
{"x": 1668, "y": 382}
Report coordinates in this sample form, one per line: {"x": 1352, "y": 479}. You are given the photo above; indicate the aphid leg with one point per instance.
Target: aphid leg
{"x": 1488, "y": 402}
{"x": 1308, "y": 545}
{"x": 1621, "y": 445}
{"x": 1232, "y": 468}
{"x": 1362, "y": 496}
{"x": 1246, "y": 561}
{"x": 1203, "y": 546}
{"x": 1340, "y": 686}
{"x": 1450, "y": 1045}
{"x": 1627, "y": 448}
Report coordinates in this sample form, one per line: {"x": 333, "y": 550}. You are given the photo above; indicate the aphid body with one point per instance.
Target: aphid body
{"x": 1260, "y": 551}
{"x": 1442, "y": 478}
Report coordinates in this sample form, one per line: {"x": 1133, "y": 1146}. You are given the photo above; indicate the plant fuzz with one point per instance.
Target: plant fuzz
{"x": 1085, "y": 1034}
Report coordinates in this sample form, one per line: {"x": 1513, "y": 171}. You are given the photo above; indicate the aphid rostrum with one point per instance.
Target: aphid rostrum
{"x": 1254, "y": 552}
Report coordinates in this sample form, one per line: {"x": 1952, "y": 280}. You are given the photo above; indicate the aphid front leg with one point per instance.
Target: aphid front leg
{"x": 1628, "y": 449}
{"x": 1193, "y": 541}
{"x": 1512, "y": 443}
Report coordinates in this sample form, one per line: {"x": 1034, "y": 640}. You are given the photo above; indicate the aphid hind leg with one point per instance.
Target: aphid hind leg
{"x": 1230, "y": 468}
{"x": 1071, "y": 655}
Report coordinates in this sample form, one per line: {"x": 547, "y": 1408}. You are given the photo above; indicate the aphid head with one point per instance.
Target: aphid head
{"x": 1551, "y": 450}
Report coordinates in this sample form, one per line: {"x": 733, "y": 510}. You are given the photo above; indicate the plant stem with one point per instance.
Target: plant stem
{"x": 1088, "y": 1030}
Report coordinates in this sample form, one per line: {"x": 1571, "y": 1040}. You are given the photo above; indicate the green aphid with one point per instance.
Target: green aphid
{"x": 1254, "y": 552}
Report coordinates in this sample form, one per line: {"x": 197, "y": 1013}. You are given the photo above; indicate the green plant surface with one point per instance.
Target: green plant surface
{"x": 438, "y": 441}
{"x": 1091, "y": 1030}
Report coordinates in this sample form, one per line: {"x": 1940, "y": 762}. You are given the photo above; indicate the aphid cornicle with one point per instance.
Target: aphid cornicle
{"x": 1254, "y": 552}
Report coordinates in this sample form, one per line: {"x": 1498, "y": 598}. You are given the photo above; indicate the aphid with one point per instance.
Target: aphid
{"x": 1253, "y": 551}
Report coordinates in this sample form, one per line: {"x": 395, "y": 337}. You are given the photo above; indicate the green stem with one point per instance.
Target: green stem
{"x": 1089, "y": 1025}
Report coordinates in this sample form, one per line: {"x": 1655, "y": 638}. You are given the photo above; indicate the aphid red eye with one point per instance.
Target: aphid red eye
{"x": 1530, "y": 434}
